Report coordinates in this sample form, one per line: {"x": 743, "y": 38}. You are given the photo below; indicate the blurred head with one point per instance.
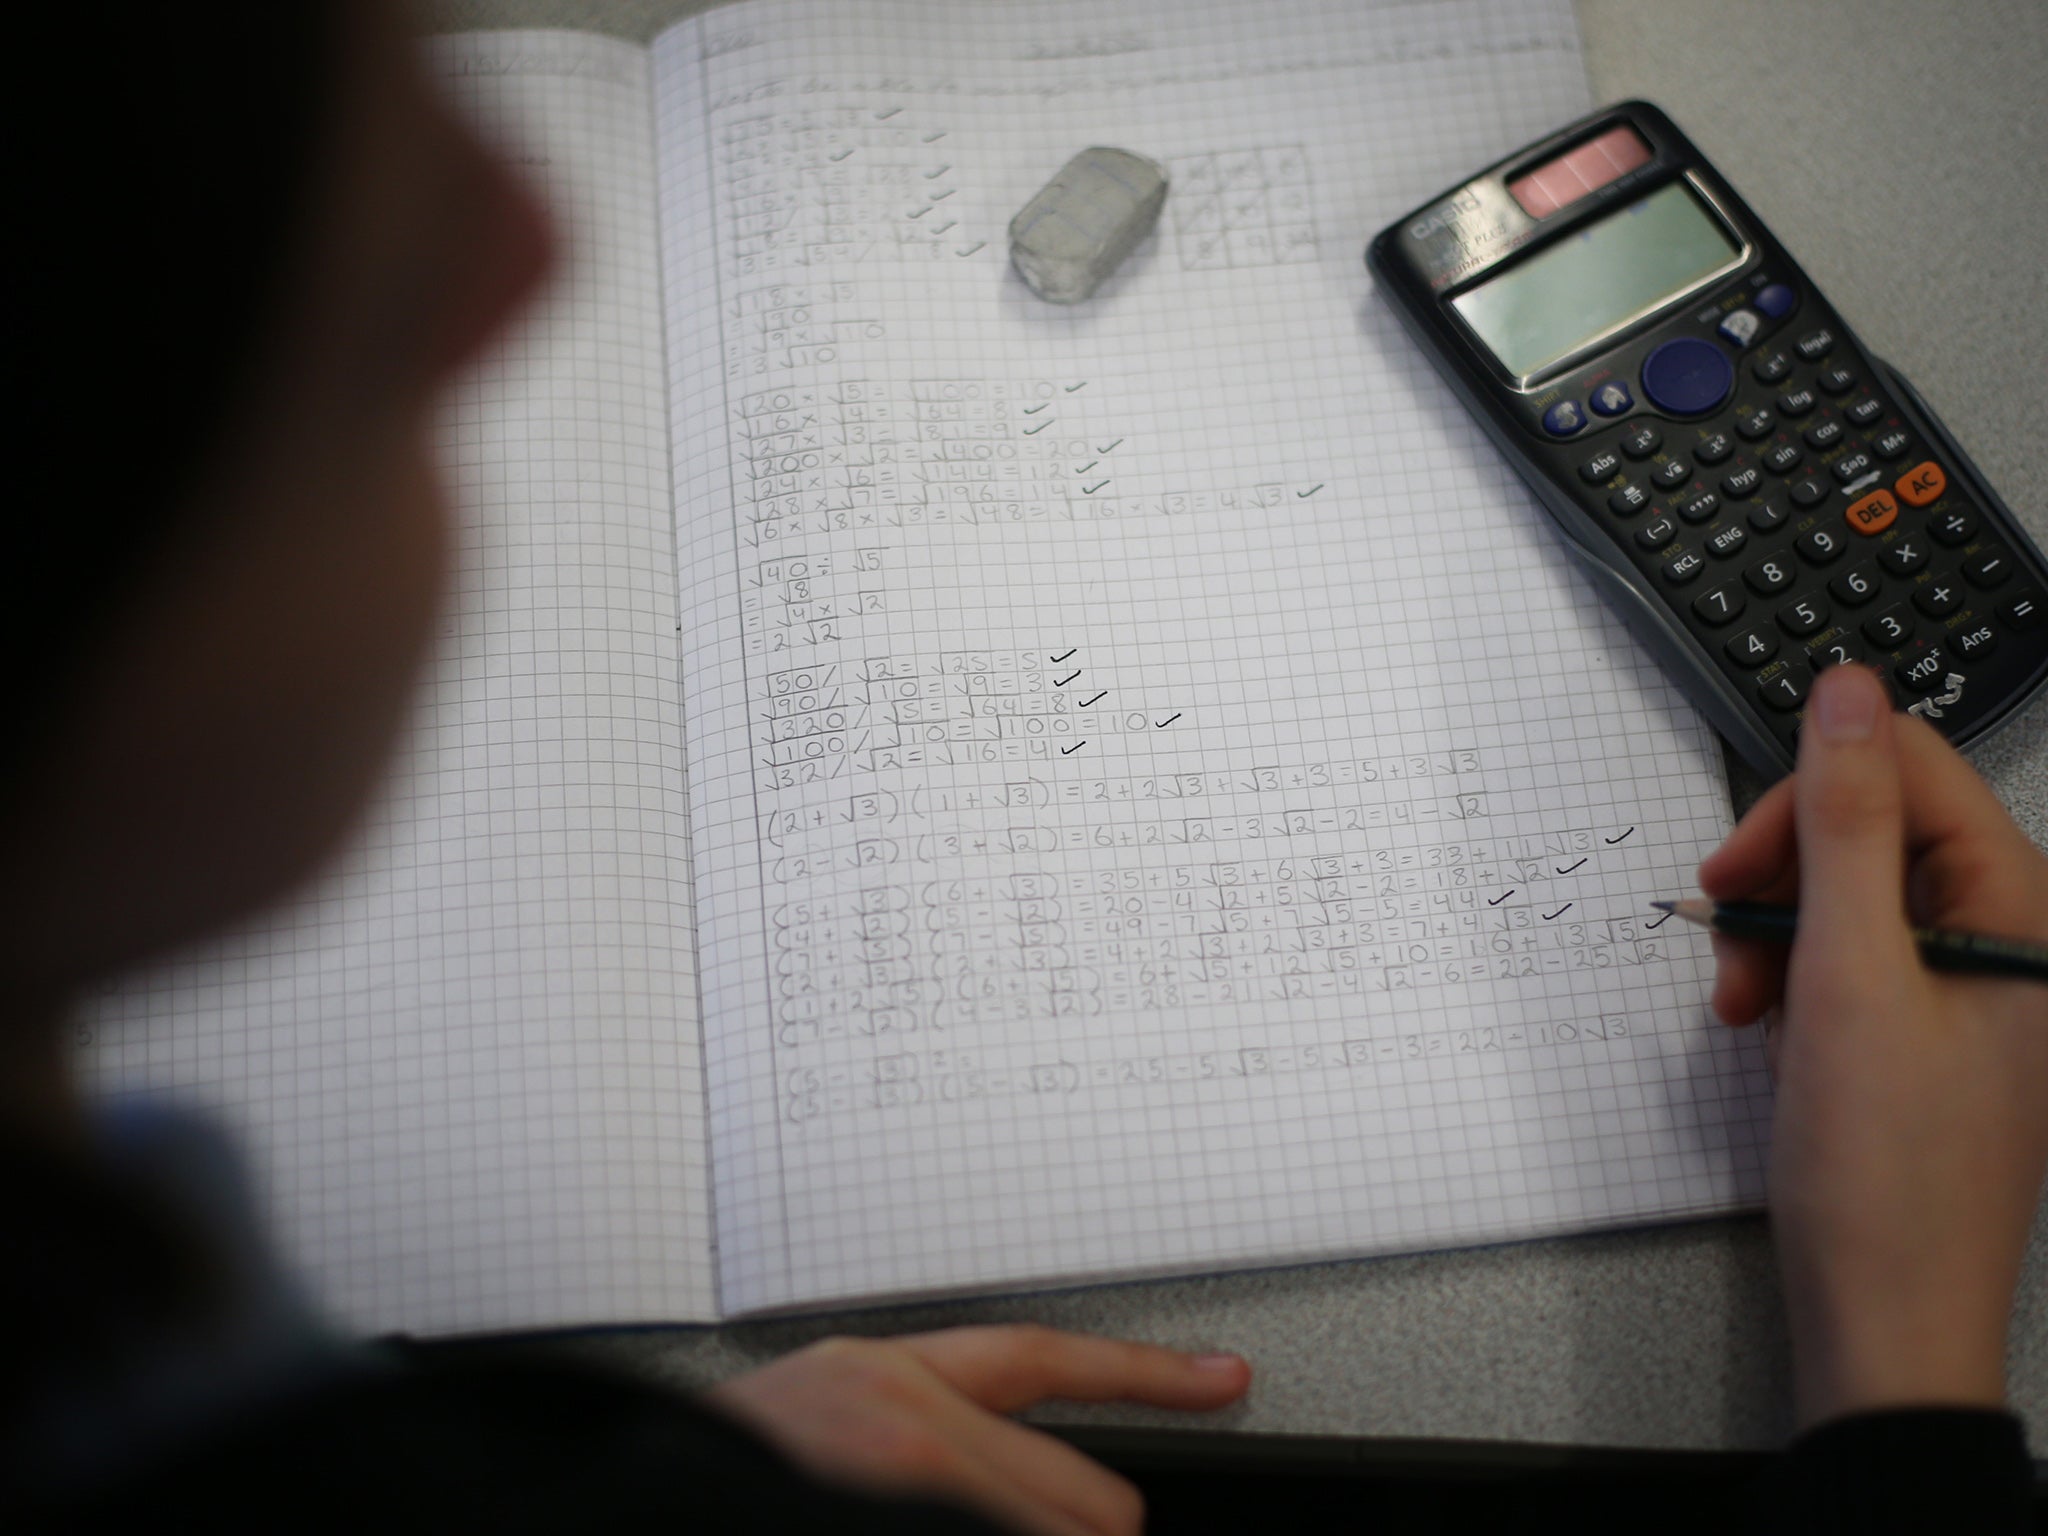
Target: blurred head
{"x": 224, "y": 578}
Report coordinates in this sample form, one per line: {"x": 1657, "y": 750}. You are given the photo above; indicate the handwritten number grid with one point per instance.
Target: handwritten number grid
{"x": 1301, "y": 552}
{"x": 466, "y": 1062}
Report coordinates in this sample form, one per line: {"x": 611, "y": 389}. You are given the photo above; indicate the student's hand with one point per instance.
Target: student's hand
{"x": 923, "y": 1415}
{"x": 1912, "y": 1115}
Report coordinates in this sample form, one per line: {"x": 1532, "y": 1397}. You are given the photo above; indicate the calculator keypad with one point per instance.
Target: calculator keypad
{"x": 1825, "y": 528}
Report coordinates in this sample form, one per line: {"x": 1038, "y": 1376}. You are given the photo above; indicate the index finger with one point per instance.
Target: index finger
{"x": 1972, "y": 863}
{"x": 1011, "y": 1367}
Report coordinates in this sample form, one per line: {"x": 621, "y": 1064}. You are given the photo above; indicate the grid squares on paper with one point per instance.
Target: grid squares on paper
{"x": 961, "y": 1028}
{"x": 466, "y": 1062}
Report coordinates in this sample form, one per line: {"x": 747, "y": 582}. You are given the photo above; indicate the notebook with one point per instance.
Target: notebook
{"x": 925, "y": 791}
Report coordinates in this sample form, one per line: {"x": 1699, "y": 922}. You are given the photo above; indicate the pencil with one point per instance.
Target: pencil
{"x": 1983, "y": 954}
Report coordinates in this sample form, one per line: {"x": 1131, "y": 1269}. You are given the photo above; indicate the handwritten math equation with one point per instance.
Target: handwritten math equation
{"x": 865, "y": 456}
{"x": 905, "y": 1080}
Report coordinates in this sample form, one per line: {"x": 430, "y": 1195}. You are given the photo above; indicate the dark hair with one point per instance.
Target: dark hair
{"x": 158, "y": 216}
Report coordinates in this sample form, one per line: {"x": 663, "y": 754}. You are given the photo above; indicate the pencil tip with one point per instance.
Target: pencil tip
{"x": 1664, "y": 906}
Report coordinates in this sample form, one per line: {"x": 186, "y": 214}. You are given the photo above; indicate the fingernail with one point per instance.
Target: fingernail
{"x": 1218, "y": 1362}
{"x": 1845, "y": 705}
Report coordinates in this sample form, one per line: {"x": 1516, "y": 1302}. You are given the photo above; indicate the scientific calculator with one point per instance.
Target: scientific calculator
{"x": 1758, "y": 494}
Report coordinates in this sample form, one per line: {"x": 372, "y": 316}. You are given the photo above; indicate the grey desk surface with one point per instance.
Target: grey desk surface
{"x": 1897, "y": 148}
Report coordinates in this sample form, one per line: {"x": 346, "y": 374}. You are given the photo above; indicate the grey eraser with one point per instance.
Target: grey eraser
{"x": 1084, "y": 221}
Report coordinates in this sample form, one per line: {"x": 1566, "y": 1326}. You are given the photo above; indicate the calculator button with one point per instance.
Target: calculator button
{"x": 1687, "y": 376}
{"x": 1783, "y": 459}
{"x": 1815, "y": 345}
{"x": 1746, "y": 481}
{"x": 1894, "y": 626}
{"x": 1853, "y": 467}
{"x": 1717, "y": 605}
{"x": 1973, "y": 642}
{"x": 1754, "y": 423}
{"x": 1775, "y": 300}
{"x": 1641, "y": 440}
{"x": 1752, "y": 648}
{"x": 1771, "y": 368}
{"x": 1611, "y": 398}
{"x": 1863, "y": 412}
{"x": 1672, "y": 472}
{"x": 1891, "y": 445}
{"x": 1628, "y": 501}
{"x": 1601, "y": 468}
{"x": 1723, "y": 543}
{"x": 1988, "y": 568}
{"x": 1810, "y": 492}
{"x": 1741, "y": 327}
{"x": 1921, "y": 669}
{"x": 1904, "y": 557}
{"x": 1786, "y": 689}
{"x": 1713, "y": 448}
{"x": 1658, "y": 532}
{"x": 1837, "y": 380}
{"x": 1836, "y": 652}
{"x": 1872, "y": 514}
{"x": 1769, "y": 576}
{"x": 1700, "y": 508}
{"x": 1804, "y": 616}
{"x": 1938, "y": 597}
{"x": 1817, "y": 546}
{"x": 1766, "y": 515}
{"x": 1923, "y": 483}
{"x": 1956, "y": 526}
{"x": 1824, "y": 434}
{"x": 1795, "y": 402}
{"x": 1564, "y": 418}
{"x": 1682, "y": 568}
{"x": 1857, "y": 585}
{"x": 2021, "y": 611}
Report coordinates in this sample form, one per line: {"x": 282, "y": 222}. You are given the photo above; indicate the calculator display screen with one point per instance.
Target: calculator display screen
{"x": 1624, "y": 265}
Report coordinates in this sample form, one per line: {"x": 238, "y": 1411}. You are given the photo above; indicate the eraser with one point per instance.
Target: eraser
{"x": 1085, "y": 221}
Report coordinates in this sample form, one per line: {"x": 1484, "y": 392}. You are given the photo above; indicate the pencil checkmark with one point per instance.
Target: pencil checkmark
{"x": 1567, "y": 869}
{"x": 1560, "y": 912}
{"x": 1091, "y": 703}
{"x": 1063, "y": 681}
{"x": 1056, "y": 660}
{"x": 1503, "y": 896}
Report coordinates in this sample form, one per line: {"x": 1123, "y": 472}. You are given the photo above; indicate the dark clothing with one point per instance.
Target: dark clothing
{"x": 164, "y": 1373}
{"x": 525, "y": 1448}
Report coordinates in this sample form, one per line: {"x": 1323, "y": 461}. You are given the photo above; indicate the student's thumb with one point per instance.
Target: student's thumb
{"x": 1851, "y": 824}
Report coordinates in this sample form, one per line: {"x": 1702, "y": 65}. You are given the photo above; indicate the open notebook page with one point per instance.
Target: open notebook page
{"x": 466, "y": 1063}
{"x": 1163, "y": 798}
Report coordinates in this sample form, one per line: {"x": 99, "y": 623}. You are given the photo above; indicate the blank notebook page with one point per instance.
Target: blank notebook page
{"x": 466, "y": 1063}
{"x": 1164, "y": 799}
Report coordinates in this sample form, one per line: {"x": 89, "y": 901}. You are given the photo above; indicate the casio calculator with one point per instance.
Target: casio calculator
{"x": 1758, "y": 494}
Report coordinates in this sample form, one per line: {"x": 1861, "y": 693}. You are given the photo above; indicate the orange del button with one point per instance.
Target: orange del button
{"x": 1921, "y": 484}
{"x": 1875, "y": 512}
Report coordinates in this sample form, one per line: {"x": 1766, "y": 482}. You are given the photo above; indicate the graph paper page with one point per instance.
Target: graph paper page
{"x": 466, "y": 1064}
{"x": 1163, "y": 798}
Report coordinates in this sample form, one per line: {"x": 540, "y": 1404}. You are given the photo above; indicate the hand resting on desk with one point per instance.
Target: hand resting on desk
{"x": 1912, "y": 1118}
{"x": 921, "y": 1414}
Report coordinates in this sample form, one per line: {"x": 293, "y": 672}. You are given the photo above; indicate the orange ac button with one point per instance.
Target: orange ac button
{"x": 1921, "y": 484}
{"x": 1874, "y": 513}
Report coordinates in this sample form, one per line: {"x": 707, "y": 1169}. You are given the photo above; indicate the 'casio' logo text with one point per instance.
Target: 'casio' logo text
{"x": 1444, "y": 214}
